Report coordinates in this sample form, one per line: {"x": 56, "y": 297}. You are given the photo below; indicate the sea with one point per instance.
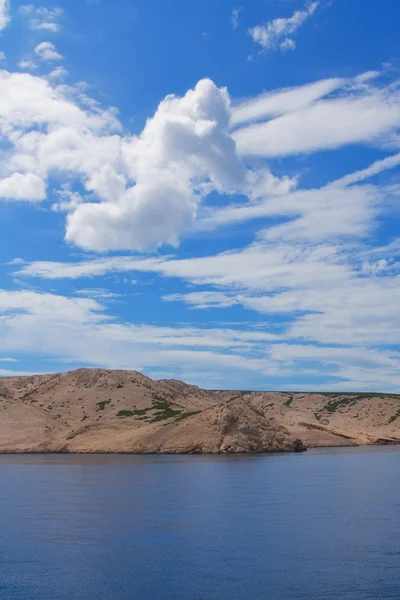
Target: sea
{"x": 323, "y": 525}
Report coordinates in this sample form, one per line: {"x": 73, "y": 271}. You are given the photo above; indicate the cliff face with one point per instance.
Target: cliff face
{"x": 95, "y": 410}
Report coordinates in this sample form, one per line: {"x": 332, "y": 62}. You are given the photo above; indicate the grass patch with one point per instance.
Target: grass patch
{"x": 162, "y": 416}
{"x": 186, "y": 415}
{"x": 140, "y": 414}
{"x": 317, "y": 416}
{"x": 125, "y": 413}
{"x": 289, "y": 401}
{"x": 334, "y": 405}
{"x": 161, "y": 408}
{"x": 102, "y": 404}
{"x": 394, "y": 417}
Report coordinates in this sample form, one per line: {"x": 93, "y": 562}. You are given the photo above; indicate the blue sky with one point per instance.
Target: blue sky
{"x": 202, "y": 190}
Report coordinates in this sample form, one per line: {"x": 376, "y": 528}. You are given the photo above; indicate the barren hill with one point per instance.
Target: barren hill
{"x": 97, "y": 410}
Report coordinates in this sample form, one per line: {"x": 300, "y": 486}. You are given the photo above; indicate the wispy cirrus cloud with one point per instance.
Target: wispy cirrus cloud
{"x": 356, "y": 113}
{"x": 281, "y": 102}
{"x": 275, "y": 35}
{"x": 80, "y": 331}
{"x": 235, "y": 17}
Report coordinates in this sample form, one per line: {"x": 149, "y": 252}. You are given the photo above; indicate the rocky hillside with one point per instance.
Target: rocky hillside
{"x": 95, "y": 410}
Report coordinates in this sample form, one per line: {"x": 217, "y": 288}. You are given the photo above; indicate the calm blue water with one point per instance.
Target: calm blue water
{"x": 316, "y": 526}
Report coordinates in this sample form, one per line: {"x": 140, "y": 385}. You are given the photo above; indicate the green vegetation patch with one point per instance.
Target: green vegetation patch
{"x": 162, "y": 416}
{"x": 102, "y": 404}
{"x": 164, "y": 410}
{"x": 140, "y": 414}
{"x": 289, "y": 401}
{"x": 186, "y": 415}
{"x": 125, "y": 413}
{"x": 334, "y": 405}
{"x": 394, "y": 417}
{"x": 161, "y": 408}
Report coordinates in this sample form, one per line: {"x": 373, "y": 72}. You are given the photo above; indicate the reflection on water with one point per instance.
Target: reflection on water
{"x": 313, "y": 526}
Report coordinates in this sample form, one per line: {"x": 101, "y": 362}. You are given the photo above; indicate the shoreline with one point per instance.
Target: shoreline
{"x": 128, "y": 453}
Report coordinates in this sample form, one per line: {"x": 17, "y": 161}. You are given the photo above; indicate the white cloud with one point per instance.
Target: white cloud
{"x": 320, "y": 295}
{"x": 46, "y": 51}
{"x": 58, "y": 73}
{"x": 68, "y": 200}
{"x": 204, "y": 299}
{"x": 183, "y": 153}
{"x": 288, "y": 44}
{"x": 310, "y": 262}
{"x": 153, "y": 187}
{"x": 4, "y": 14}
{"x": 28, "y": 64}
{"x": 324, "y": 215}
{"x": 42, "y": 18}
{"x": 235, "y": 17}
{"x": 358, "y": 117}
{"x": 14, "y": 373}
{"x": 366, "y": 369}
{"x": 97, "y": 293}
{"x": 367, "y": 76}
{"x": 21, "y": 186}
{"x": 325, "y": 292}
{"x": 78, "y": 330}
{"x": 89, "y": 268}
{"x": 378, "y": 267}
{"x": 377, "y": 167}
{"x": 273, "y": 104}
{"x": 48, "y": 130}
{"x": 333, "y": 210}
{"x": 62, "y": 113}
{"x": 275, "y": 34}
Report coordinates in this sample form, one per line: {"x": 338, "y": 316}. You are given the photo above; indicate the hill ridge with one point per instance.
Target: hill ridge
{"x": 115, "y": 410}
